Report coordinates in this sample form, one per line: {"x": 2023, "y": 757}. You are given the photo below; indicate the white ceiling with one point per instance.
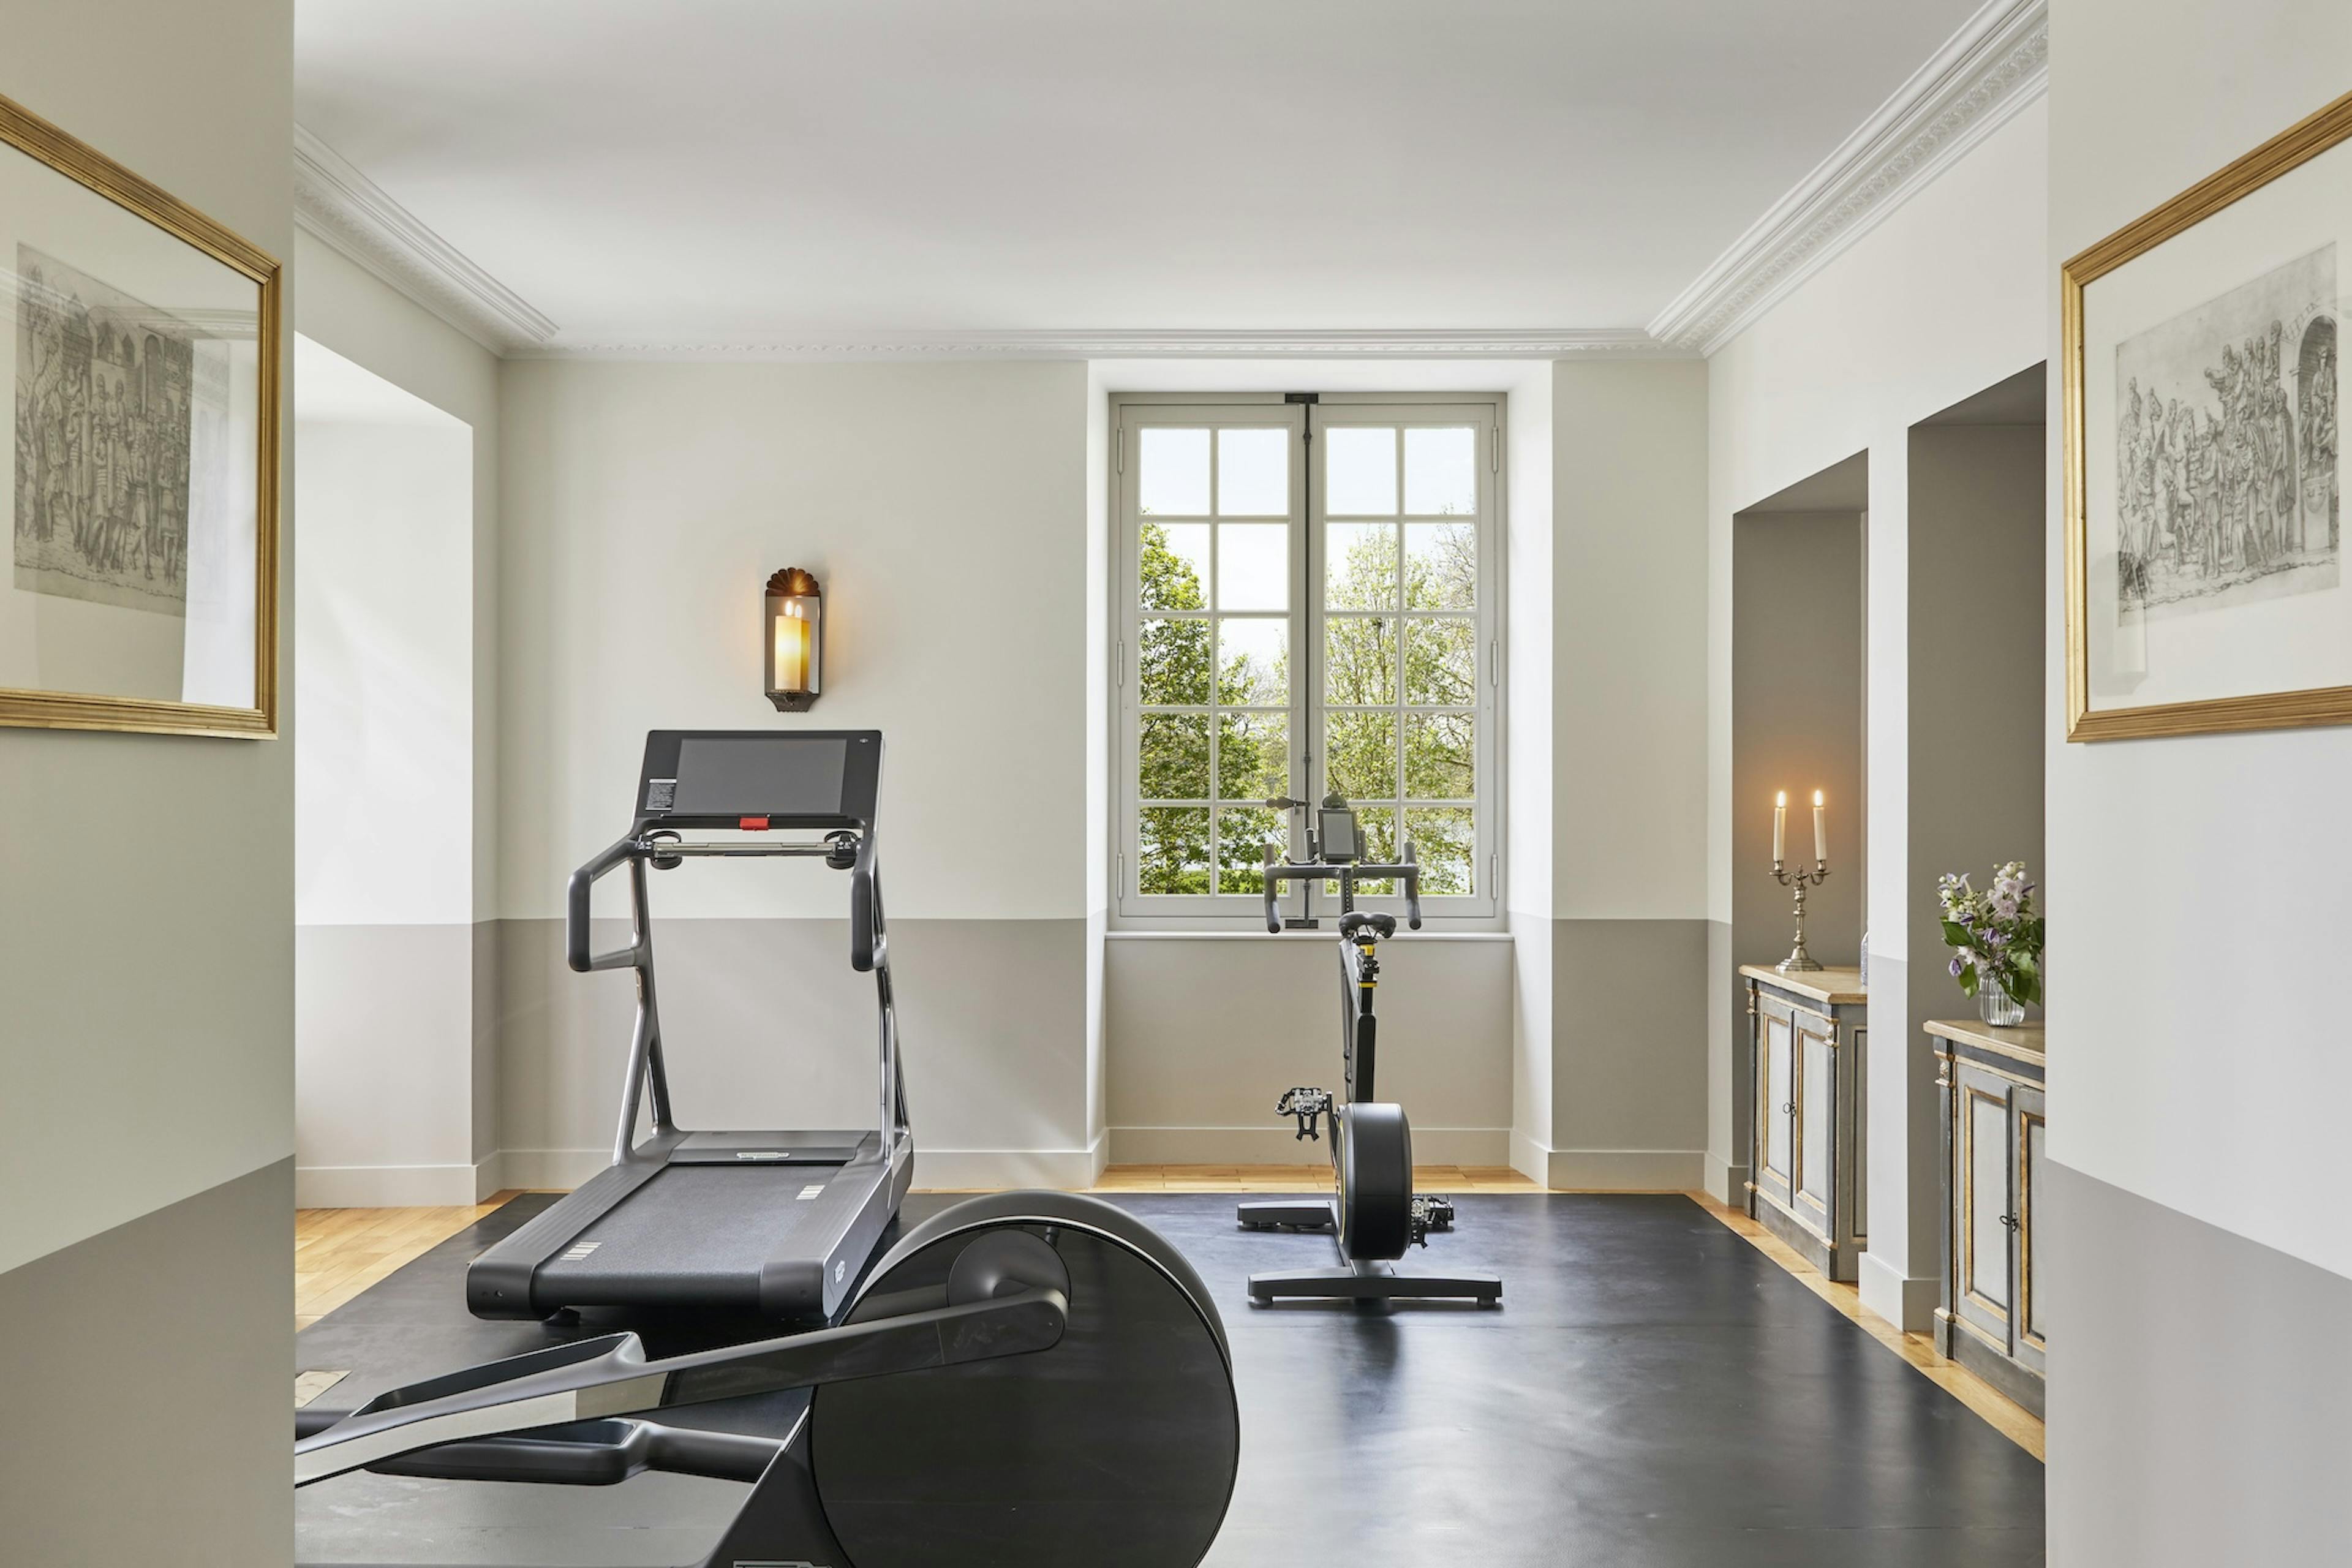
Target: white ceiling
{"x": 748, "y": 167}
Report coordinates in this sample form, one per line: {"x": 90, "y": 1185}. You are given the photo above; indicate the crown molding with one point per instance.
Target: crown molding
{"x": 342, "y": 207}
{"x": 1613, "y": 342}
{"x": 1996, "y": 64}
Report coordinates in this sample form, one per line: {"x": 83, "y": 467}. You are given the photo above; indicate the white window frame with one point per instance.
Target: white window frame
{"x": 1130, "y": 413}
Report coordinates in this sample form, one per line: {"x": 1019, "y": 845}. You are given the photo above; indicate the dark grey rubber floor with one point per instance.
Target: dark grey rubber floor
{"x": 1652, "y": 1393}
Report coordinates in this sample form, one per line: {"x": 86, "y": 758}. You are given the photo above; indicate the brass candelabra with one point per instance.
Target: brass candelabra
{"x": 1798, "y": 961}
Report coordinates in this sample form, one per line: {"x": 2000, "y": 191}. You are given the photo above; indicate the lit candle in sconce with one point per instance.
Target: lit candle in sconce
{"x": 1779, "y": 825}
{"x": 1820, "y": 831}
{"x": 794, "y": 607}
{"x": 792, "y": 650}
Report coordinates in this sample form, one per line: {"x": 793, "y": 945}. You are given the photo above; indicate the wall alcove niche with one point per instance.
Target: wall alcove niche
{"x": 1977, "y": 503}
{"x": 1796, "y": 724}
{"x": 1799, "y": 642}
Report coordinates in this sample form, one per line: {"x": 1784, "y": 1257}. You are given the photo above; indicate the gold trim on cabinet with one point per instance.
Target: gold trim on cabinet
{"x": 79, "y": 160}
{"x": 2025, "y": 1334}
{"x": 1995, "y": 1069}
{"x": 2289, "y": 150}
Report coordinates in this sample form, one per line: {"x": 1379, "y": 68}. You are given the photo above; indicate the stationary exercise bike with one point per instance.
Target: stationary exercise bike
{"x": 1375, "y": 1216}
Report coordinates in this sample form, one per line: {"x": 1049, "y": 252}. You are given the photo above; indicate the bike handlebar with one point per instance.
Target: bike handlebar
{"x": 1280, "y": 871}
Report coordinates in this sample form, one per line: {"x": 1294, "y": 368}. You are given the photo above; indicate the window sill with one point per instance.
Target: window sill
{"x": 1261, "y": 934}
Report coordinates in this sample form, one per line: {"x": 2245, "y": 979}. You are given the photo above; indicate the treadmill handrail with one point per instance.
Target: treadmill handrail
{"x": 575, "y": 923}
{"x": 869, "y": 939}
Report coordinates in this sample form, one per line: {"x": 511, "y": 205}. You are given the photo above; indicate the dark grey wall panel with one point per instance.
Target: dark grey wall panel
{"x": 1729, "y": 1095}
{"x": 132, "y": 1363}
{"x": 766, "y": 1024}
{"x": 486, "y": 1039}
{"x": 2198, "y": 1391}
{"x": 1630, "y": 1025}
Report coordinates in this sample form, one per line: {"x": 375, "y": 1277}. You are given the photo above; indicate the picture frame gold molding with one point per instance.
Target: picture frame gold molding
{"x": 76, "y": 160}
{"x": 2289, "y": 150}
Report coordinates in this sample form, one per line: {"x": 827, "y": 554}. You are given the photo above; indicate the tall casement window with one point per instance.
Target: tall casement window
{"x": 1308, "y": 605}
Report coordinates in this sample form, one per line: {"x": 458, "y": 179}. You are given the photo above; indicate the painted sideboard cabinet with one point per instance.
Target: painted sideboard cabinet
{"x": 1989, "y": 1083}
{"x": 1806, "y": 1033}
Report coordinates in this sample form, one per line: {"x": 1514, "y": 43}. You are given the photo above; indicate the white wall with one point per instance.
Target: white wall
{"x": 146, "y": 955}
{"x": 1528, "y": 768}
{"x": 398, "y": 985}
{"x": 945, "y": 510}
{"x": 384, "y": 985}
{"x": 383, "y": 824}
{"x": 1629, "y": 615}
{"x": 365, "y": 321}
{"x": 1615, "y": 978}
{"x": 179, "y": 850}
{"x": 1942, "y": 299}
{"x": 2253, "y": 897}
{"x": 2198, "y": 928}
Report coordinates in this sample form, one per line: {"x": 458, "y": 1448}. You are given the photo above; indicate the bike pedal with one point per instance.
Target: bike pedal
{"x": 1308, "y": 1105}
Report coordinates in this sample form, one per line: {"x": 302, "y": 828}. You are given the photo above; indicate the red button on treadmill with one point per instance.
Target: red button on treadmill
{"x": 753, "y": 824}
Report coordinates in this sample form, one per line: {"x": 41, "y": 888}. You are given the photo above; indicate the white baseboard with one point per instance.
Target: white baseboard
{"x": 396, "y": 1186}
{"x": 1726, "y": 1182}
{"x": 1609, "y": 1170}
{"x": 1000, "y": 1169}
{"x": 1281, "y": 1146}
{"x": 1529, "y": 1158}
{"x": 558, "y": 1169}
{"x": 1909, "y": 1302}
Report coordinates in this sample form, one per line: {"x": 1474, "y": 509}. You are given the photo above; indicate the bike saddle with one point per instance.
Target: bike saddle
{"x": 1382, "y": 926}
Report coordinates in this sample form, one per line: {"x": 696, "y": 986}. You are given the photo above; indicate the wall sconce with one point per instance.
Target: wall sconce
{"x": 796, "y": 639}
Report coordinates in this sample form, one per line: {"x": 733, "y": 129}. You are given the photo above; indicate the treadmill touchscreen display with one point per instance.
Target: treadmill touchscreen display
{"x": 760, "y": 775}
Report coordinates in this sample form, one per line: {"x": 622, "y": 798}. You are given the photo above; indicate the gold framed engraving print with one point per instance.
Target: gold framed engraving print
{"x": 142, "y": 346}
{"x": 2205, "y": 585}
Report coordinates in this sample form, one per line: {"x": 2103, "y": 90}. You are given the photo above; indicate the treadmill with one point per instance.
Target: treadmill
{"x": 776, "y": 1223}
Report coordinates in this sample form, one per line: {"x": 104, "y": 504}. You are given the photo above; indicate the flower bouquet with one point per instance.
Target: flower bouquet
{"x": 1996, "y": 941}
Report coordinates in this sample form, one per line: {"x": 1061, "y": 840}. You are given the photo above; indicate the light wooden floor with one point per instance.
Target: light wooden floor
{"x": 338, "y": 1253}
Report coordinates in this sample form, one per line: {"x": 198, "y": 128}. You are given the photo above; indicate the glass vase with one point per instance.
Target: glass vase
{"x": 1996, "y": 1006}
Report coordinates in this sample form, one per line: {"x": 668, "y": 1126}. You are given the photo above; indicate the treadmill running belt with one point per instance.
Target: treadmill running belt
{"x": 706, "y": 1234}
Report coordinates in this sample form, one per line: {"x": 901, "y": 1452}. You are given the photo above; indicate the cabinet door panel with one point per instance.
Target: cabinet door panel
{"x": 1982, "y": 1202}
{"x": 1816, "y": 1104}
{"x": 1773, "y": 1095}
